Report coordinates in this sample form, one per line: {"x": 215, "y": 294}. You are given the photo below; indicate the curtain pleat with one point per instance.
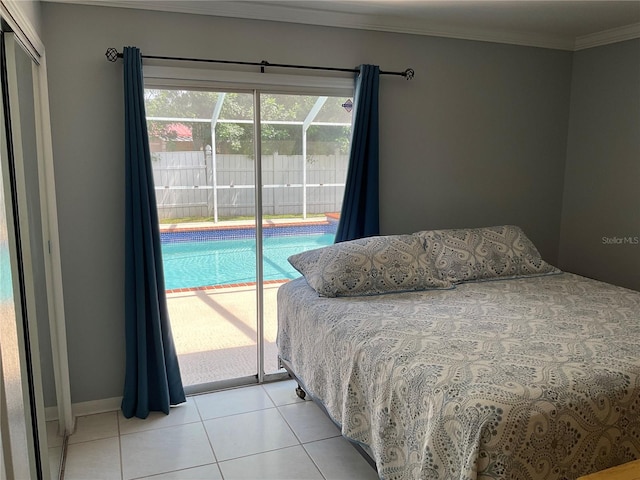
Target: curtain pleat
{"x": 360, "y": 216}
{"x": 152, "y": 376}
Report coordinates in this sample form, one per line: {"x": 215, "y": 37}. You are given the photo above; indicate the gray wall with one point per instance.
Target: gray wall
{"x": 477, "y": 138}
{"x": 601, "y": 208}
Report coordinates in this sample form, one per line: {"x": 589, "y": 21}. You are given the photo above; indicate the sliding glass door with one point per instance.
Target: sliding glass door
{"x": 202, "y": 158}
{"x": 233, "y": 208}
{"x": 305, "y": 153}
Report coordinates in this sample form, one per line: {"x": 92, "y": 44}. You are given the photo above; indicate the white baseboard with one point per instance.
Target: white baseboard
{"x": 96, "y": 406}
{"x": 50, "y": 414}
{"x": 82, "y": 409}
{"x": 86, "y": 408}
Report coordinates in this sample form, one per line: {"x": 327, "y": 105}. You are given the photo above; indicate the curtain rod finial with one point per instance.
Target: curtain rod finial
{"x": 112, "y": 54}
{"x": 409, "y": 73}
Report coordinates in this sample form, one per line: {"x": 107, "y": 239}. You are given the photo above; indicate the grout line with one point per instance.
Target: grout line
{"x": 256, "y": 454}
{"x": 155, "y": 429}
{"x": 88, "y": 440}
{"x": 117, "y": 413}
{"x": 289, "y": 425}
{"x": 120, "y": 451}
{"x": 173, "y": 471}
{"x": 312, "y": 460}
{"x": 292, "y": 402}
{"x": 298, "y": 438}
{"x": 195, "y": 402}
{"x": 213, "y": 450}
{"x": 267, "y": 393}
{"x": 253, "y": 454}
{"x": 305, "y": 402}
{"x": 262, "y": 453}
{"x": 240, "y": 413}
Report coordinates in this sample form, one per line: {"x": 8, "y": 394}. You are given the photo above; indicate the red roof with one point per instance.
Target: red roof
{"x": 176, "y": 132}
{"x": 179, "y": 132}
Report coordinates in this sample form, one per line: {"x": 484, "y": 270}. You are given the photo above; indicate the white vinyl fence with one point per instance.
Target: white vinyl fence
{"x": 187, "y": 185}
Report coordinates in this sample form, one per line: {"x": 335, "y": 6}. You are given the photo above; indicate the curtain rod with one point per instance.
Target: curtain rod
{"x": 112, "y": 55}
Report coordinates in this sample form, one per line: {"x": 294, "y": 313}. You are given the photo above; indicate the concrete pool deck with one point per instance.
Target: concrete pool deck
{"x": 176, "y": 227}
{"x": 215, "y": 332}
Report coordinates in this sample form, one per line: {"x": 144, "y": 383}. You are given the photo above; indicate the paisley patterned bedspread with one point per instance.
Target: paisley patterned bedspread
{"x": 533, "y": 378}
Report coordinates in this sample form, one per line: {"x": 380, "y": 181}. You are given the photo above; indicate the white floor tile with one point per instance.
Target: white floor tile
{"x": 308, "y": 422}
{"x": 251, "y": 437}
{"x": 232, "y": 402}
{"x": 53, "y": 439}
{"x": 95, "y": 460}
{"x": 95, "y": 427}
{"x": 249, "y": 433}
{"x": 165, "y": 450}
{"x": 337, "y": 460}
{"x": 291, "y": 463}
{"x": 179, "y": 415}
{"x": 206, "y": 472}
{"x": 282, "y": 393}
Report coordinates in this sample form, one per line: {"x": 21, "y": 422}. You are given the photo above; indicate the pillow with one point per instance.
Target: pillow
{"x": 369, "y": 266}
{"x": 464, "y": 255}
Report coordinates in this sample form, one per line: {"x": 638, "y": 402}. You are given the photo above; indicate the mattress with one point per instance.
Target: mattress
{"x": 530, "y": 378}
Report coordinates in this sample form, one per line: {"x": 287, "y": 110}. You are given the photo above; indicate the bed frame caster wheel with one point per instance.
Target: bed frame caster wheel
{"x": 300, "y": 392}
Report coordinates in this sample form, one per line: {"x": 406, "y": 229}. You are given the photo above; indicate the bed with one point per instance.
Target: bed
{"x": 509, "y": 376}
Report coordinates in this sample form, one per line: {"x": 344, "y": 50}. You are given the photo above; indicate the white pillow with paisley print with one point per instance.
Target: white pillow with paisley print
{"x": 470, "y": 254}
{"x": 369, "y": 266}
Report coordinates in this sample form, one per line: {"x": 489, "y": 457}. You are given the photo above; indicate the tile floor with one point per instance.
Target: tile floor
{"x": 259, "y": 432}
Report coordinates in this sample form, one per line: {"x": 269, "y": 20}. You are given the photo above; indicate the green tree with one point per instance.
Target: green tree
{"x": 238, "y": 137}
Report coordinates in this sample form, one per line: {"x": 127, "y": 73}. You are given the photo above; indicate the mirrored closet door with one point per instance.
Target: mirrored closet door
{"x": 27, "y": 384}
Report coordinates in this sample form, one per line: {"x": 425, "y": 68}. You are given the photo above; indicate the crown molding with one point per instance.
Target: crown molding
{"x": 256, "y": 10}
{"x": 12, "y": 13}
{"x": 614, "y": 35}
{"x": 280, "y": 13}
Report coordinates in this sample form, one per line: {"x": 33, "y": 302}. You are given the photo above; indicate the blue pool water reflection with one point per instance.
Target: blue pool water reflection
{"x": 6, "y": 288}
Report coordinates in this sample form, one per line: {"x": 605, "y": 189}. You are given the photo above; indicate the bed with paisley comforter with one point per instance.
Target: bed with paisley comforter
{"x": 514, "y": 377}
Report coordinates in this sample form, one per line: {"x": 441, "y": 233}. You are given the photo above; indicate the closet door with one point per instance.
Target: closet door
{"x": 16, "y": 433}
{"x": 24, "y": 295}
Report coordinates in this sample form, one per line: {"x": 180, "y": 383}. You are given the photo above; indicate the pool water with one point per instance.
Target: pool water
{"x": 221, "y": 262}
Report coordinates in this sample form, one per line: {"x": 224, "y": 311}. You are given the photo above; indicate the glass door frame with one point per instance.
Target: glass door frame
{"x": 256, "y": 84}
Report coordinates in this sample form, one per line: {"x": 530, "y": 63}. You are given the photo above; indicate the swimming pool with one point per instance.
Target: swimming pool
{"x": 199, "y": 263}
